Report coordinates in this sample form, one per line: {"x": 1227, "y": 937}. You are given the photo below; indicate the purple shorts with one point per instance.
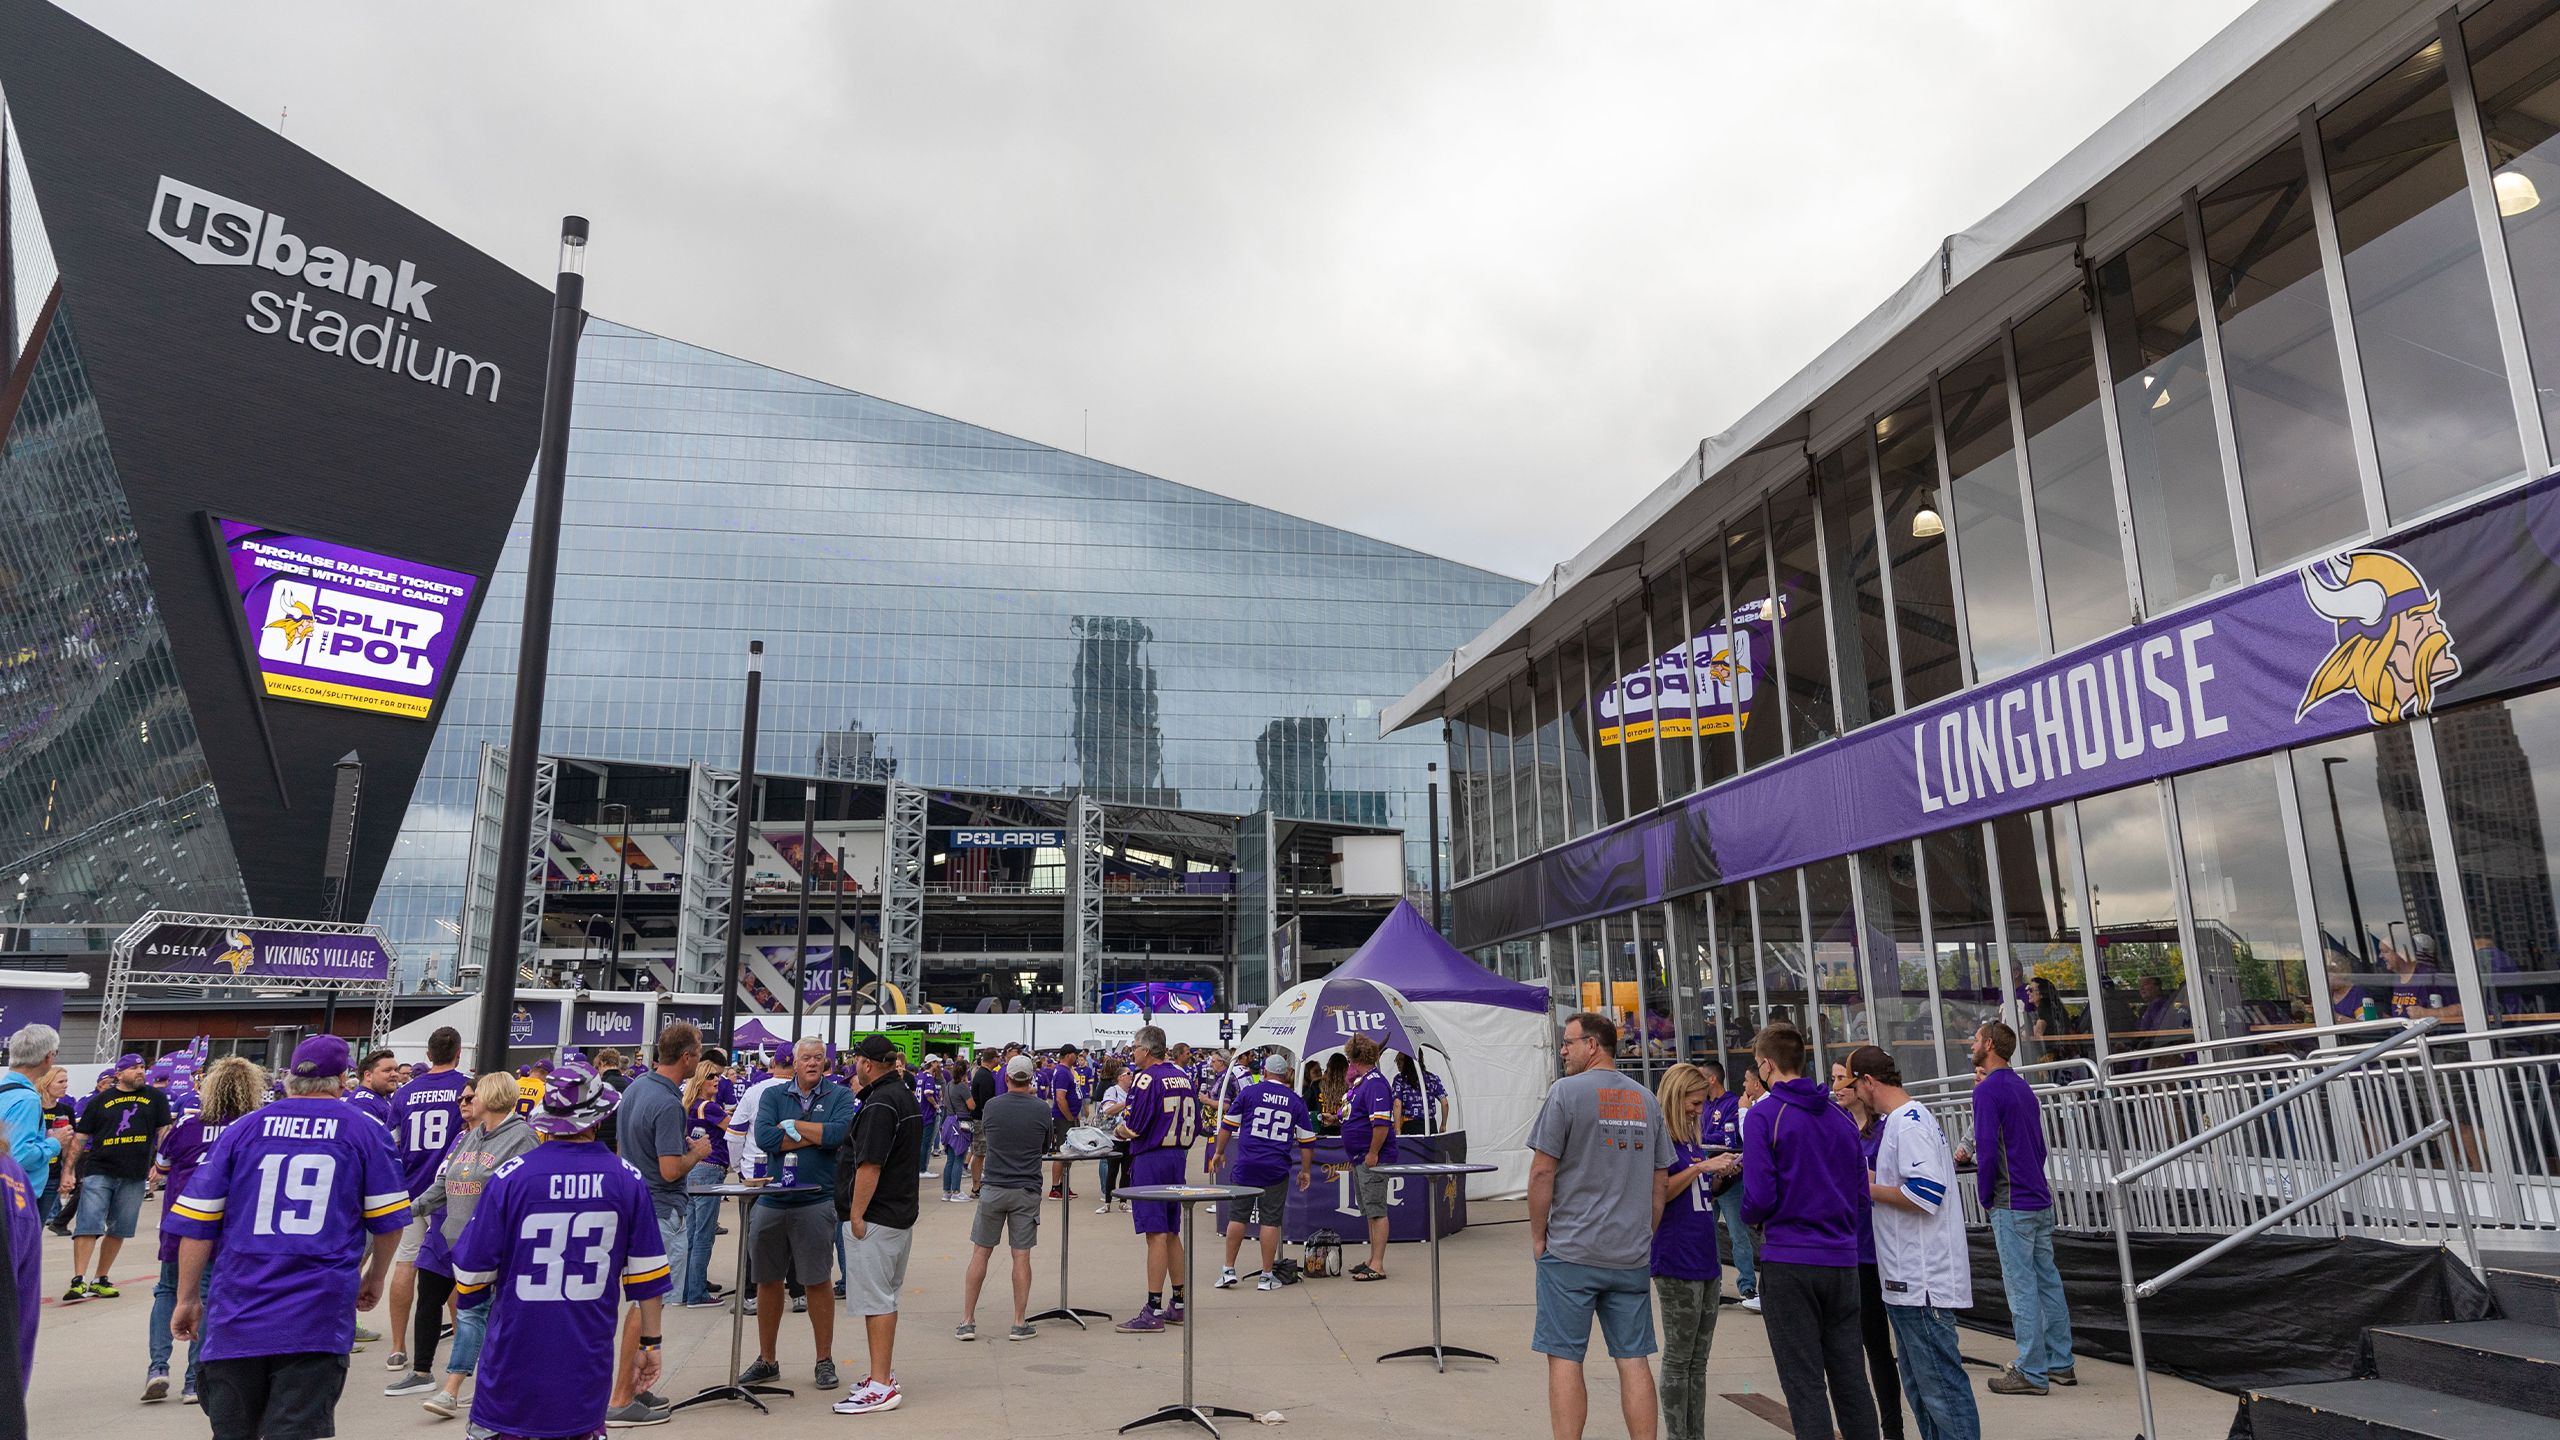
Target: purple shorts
{"x": 1157, "y": 1167}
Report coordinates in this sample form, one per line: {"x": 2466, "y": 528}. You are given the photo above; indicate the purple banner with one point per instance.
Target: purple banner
{"x": 334, "y": 625}
{"x": 705, "y": 1018}
{"x": 254, "y": 954}
{"x": 1703, "y": 687}
{"x": 534, "y": 1025}
{"x": 2454, "y": 610}
{"x": 21, "y": 1006}
{"x": 609, "y": 1022}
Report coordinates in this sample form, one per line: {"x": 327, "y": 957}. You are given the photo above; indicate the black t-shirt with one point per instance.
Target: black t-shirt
{"x": 61, "y": 1110}
{"x": 123, "y": 1127}
{"x": 983, "y": 1087}
{"x": 888, "y": 1131}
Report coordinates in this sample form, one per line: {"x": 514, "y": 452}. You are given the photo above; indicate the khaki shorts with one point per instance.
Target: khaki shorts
{"x": 411, "y": 1240}
{"x": 1371, "y": 1187}
{"x": 1012, "y": 1215}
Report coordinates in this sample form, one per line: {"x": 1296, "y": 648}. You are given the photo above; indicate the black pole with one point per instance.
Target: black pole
{"x": 1439, "y": 913}
{"x": 2346, "y": 866}
{"x": 533, "y": 659}
{"x": 808, "y": 878}
{"x": 621, "y": 875}
{"x": 742, "y": 847}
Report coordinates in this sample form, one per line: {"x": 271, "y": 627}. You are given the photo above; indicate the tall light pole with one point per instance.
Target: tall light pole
{"x": 1439, "y": 916}
{"x": 533, "y": 657}
{"x": 808, "y": 878}
{"x": 743, "y": 847}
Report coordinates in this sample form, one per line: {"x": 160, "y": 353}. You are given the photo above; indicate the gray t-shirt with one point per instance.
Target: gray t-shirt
{"x": 1017, "y": 1127}
{"x": 1607, "y": 1137}
{"x": 650, "y": 1123}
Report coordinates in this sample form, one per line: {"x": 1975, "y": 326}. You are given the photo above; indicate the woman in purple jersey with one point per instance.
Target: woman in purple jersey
{"x": 232, "y": 1088}
{"x": 1687, "y": 1278}
{"x": 705, "y": 1115}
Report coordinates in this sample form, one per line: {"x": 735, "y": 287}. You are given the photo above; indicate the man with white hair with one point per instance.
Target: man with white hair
{"x": 800, "y": 1124}
{"x": 31, "y": 1053}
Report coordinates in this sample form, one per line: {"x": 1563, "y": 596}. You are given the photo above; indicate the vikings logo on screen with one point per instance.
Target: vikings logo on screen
{"x": 362, "y": 637}
{"x": 2393, "y": 651}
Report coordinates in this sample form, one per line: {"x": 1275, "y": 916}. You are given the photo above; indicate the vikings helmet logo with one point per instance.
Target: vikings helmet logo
{"x": 1720, "y": 667}
{"x": 295, "y": 622}
{"x": 2392, "y": 650}
{"x": 239, "y": 955}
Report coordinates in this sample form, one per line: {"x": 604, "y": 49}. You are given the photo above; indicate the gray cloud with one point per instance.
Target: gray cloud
{"x": 1469, "y": 276}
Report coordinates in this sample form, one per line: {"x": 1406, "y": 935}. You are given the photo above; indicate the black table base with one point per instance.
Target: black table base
{"x": 1197, "y": 1414}
{"x": 1439, "y": 1354}
{"x": 1436, "y": 1352}
{"x": 730, "y": 1389}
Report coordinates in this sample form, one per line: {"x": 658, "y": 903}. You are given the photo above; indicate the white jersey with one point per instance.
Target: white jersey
{"x": 742, "y": 1129}
{"x": 1921, "y": 1258}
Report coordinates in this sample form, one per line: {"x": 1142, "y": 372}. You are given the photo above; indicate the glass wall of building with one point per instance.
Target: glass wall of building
{"x": 1924, "y": 605}
{"x": 2511, "y": 44}
{"x": 1989, "y": 509}
{"x": 1804, "y": 633}
{"x": 2246, "y": 974}
{"x": 2165, "y": 418}
{"x": 1963, "y": 940}
{"x": 2075, "y": 506}
{"x": 1860, "y": 629}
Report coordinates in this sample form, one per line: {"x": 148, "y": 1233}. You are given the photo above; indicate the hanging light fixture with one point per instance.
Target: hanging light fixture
{"x": 1925, "y": 521}
{"x": 2515, "y": 192}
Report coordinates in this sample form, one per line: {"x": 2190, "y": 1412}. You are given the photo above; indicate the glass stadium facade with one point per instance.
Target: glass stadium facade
{"x": 940, "y": 604}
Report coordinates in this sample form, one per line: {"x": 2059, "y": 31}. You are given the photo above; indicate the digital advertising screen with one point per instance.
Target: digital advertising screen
{"x": 330, "y": 624}
{"x": 1164, "y": 997}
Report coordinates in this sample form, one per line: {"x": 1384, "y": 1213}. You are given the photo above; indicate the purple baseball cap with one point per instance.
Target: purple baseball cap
{"x": 575, "y": 1099}
{"x": 322, "y": 1056}
{"x": 128, "y": 1062}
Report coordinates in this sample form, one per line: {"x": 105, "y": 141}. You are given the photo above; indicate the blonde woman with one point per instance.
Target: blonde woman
{"x": 230, "y": 1088}
{"x": 1688, "y": 1281}
{"x": 705, "y": 1118}
{"x": 493, "y": 1134}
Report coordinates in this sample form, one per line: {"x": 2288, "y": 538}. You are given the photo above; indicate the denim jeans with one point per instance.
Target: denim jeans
{"x": 1688, "y": 1334}
{"x": 164, "y": 1304}
{"x": 1933, "y": 1372}
{"x": 701, "y": 1227}
{"x": 675, "y": 1230}
{"x": 1729, "y": 1219}
{"x": 2038, "y": 1315}
{"x": 955, "y": 1168}
{"x": 469, "y": 1329}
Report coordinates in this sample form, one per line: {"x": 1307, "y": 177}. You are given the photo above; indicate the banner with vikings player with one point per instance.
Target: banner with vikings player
{"x": 334, "y": 625}
{"x": 2457, "y": 609}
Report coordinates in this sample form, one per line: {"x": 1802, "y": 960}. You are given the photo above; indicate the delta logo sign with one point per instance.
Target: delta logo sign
{"x": 211, "y": 229}
{"x": 334, "y": 625}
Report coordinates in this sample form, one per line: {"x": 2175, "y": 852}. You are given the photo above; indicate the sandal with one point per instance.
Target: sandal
{"x": 1362, "y": 1271}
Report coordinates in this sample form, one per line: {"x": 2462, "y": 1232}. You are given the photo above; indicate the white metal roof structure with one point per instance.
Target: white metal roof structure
{"x": 2216, "y": 111}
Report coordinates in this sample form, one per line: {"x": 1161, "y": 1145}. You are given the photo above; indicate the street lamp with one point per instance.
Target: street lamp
{"x": 621, "y": 873}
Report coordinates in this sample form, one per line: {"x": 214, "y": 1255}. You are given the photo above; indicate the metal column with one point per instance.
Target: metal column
{"x": 1084, "y": 906}
{"x": 702, "y": 902}
{"x": 537, "y": 863}
{"x": 902, "y": 894}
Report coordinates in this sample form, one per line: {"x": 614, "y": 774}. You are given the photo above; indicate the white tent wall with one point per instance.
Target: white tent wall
{"x": 1502, "y": 1065}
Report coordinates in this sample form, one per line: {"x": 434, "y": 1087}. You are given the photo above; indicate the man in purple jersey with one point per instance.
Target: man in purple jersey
{"x": 21, "y": 1288}
{"x": 1065, "y": 1094}
{"x": 232, "y": 1088}
{"x": 377, "y": 1078}
{"x": 426, "y": 1113}
{"x": 1256, "y": 1132}
{"x": 1158, "y": 1127}
{"x": 1369, "y": 1118}
{"x": 561, "y": 1237}
{"x": 311, "y": 1179}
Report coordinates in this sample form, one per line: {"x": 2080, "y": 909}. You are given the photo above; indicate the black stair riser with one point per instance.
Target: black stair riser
{"x": 2534, "y": 1299}
{"x": 2278, "y": 1420}
{"x": 2456, "y": 1369}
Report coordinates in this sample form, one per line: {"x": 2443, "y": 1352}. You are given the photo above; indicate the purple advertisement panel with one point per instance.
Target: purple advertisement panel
{"x": 1705, "y": 686}
{"x": 254, "y": 954}
{"x": 2454, "y": 610}
{"x": 535, "y": 1024}
{"x": 705, "y": 1018}
{"x": 29, "y": 1005}
{"x": 609, "y": 1022}
{"x": 334, "y": 625}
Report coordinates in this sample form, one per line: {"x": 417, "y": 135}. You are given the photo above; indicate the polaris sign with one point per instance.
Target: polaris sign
{"x": 1008, "y": 839}
{"x": 211, "y": 229}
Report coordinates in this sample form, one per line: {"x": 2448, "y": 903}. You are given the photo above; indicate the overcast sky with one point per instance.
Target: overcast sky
{"x": 1469, "y": 276}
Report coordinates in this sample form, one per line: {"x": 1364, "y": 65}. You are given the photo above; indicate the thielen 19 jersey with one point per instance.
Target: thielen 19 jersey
{"x": 561, "y": 1237}
{"x": 288, "y": 1196}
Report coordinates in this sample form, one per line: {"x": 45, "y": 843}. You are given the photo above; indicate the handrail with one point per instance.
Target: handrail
{"x": 2295, "y": 1091}
{"x": 2284, "y": 1212}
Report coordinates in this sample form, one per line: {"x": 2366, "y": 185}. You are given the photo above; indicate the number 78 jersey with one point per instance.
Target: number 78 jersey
{"x": 561, "y": 1236}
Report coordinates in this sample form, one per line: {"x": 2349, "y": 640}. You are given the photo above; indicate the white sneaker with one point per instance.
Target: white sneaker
{"x": 867, "y": 1398}
{"x": 1227, "y": 1278}
{"x": 1102, "y": 1209}
{"x": 1268, "y": 1282}
{"x": 1752, "y": 1304}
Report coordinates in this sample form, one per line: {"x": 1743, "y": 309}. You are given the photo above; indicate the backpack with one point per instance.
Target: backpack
{"x": 1324, "y": 1255}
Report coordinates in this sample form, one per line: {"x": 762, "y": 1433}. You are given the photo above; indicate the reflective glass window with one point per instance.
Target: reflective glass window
{"x": 1575, "y": 674}
{"x": 1548, "y": 753}
{"x": 2513, "y": 45}
{"x": 1858, "y": 623}
{"x": 2280, "y": 356}
{"x": 1763, "y": 691}
{"x": 1674, "y": 747}
{"x": 2374, "y": 886}
{"x": 1896, "y": 955}
{"x": 2433, "y": 372}
{"x": 2039, "y": 896}
{"x": 2067, "y": 463}
{"x": 1628, "y": 716}
{"x": 1832, "y": 932}
{"x": 1714, "y": 676}
{"x": 2133, "y": 907}
{"x": 1501, "y": 817}
{"x": 1739, "y": 1011}
{"x": 2164, "y": 411}
{"x": 1466, "y": 802}
{"x": 1785, "y": 964}
{"x": 1963, "y": 940}
{"x": 1915, "y": 536}
{"x": 2247, "y": 975}
{"x": 2501, "y": 766}
{"x": 1991, "y": 530}
{"x": 1803, "y": 625}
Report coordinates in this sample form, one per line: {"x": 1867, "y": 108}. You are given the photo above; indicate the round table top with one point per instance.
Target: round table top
{"x": 1185, "y": 1194}
{"x": 1435, "y": 1167}
{"x": 727, "y": 1189}
{"x": 1082, "y": 1155}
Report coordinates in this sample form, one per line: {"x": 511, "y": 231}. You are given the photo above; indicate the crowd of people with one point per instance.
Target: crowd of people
{"x": 557, "y": 1202}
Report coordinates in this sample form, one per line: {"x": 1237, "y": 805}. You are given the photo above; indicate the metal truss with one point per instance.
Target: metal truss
{"x": 1084, "y": 907}
{"x": 537, "y": 866}
{"x": 122, "y": 975}
{"x": 702, "y": 915}
{"x": 902, "y": 893}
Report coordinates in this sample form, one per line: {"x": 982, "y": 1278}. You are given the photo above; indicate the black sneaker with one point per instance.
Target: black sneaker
{"x": 826, "y": 1374}
{"x": 760, "y": 1372}
{"x": 2065, "y": 1375}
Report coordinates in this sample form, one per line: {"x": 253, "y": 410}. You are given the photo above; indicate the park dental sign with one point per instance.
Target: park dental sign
{"x": 211, "y": 229}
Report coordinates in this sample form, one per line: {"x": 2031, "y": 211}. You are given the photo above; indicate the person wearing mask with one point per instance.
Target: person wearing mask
{"x": 280, "y": 1212}
{"x": 2008, "y": 1156}
{"x": 1875, "y": 1330}
{"x": 22, "y": 1100}
{"x": 493, "y": 1134}
{"x": 877, "y": 1204}
{"x": 1369, "y": 1138}
{"x": 1255, "y": 1135}
{"x": 426, "y": 1114}
{"x": 1597, "y": 1152}
{"x": 1018, "y": 1134}
{"x": 1720, "y": 1123}
{"x": 800, "y": 1123}
{"x": 1804, "y": 1184}
{"x": 232, "y": 1088}
{"x": 1158, "y": 1127}
{"x": 1920, "y": 1248}
{"x": 649, "y": 1126}
{"x": 552, "y": 1363}
{"x": 119, "y": 1133}
{"x": 706, "y": 1118}
{"x": 1688, "y": 1278}
{"x": 1111, "y": 1101}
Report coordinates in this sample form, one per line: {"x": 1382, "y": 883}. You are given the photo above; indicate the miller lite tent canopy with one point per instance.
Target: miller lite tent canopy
{"x": 1492, "y": 1036}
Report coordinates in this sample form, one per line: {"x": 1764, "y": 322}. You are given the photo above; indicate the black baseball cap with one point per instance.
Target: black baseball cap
{"x": 878, "y": 1049}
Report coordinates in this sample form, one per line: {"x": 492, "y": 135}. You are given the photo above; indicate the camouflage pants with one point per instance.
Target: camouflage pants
{"x": 1688, "y": 1333}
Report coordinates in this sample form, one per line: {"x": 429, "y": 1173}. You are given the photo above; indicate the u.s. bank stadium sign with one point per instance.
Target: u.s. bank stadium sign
{"x": 211, "y": 229}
